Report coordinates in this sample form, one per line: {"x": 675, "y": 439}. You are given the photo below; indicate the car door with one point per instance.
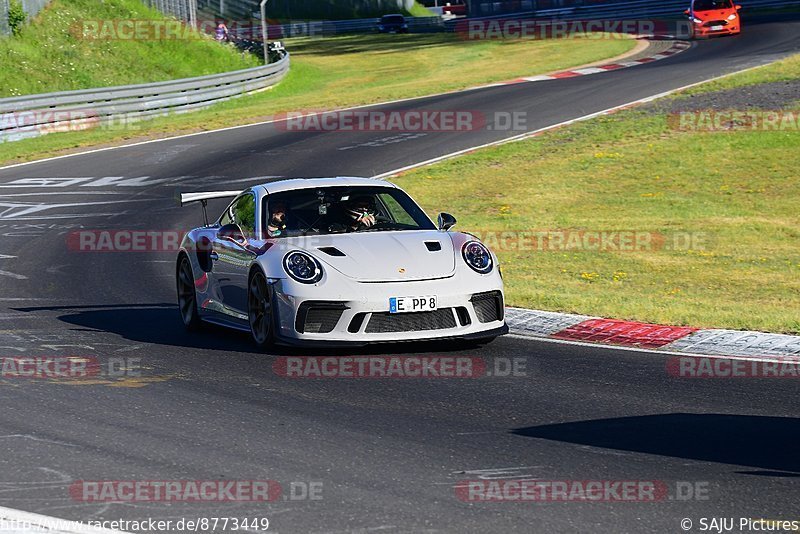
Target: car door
{"x": 231, "y": 255}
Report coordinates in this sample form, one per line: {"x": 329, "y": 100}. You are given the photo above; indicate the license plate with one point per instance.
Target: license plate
{"x": 716, "y": 28}
{"x": 411, "y": 304}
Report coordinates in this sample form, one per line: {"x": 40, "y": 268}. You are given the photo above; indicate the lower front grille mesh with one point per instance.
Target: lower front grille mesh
{"x": 411, "y": 322}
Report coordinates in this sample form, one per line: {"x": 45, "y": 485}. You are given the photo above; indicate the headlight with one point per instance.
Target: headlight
{"x": 732, "y": 16}
{"x": 302, "y": 267}
{"x": 477, "y": 256}
{"x": 696, "y": 20}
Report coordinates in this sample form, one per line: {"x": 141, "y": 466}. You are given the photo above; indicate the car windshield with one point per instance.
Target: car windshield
{"x": 393, "y": 19}
{"x": 337, "y": 210}
{"x": 707, "y": 5}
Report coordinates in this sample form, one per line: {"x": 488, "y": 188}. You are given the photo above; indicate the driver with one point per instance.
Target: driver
{"x": 277, "y": 220}
{"x": 361, "y": 213}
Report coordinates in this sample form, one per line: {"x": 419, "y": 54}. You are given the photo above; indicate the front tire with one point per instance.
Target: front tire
{"x": 187, "y": 296}
{"x": 260, "y": 311}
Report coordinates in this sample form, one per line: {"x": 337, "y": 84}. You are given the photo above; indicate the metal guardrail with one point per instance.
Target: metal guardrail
{"x": 33, "y": 115}
{"x": 328, "y": 28}
{"x": 180, "y": 9}
{"x": 32, "y": 7}
{"x": 4, "y": 7}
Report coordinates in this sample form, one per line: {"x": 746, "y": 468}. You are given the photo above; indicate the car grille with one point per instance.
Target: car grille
{"x": 411, "y": 322}
{"x": 318, "y": 317}
{"x": 716, "y": 23}
{"x": 488, "y": 306}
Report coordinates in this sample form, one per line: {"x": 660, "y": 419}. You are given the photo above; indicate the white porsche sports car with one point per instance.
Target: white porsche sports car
{"x": 330, "y": 261}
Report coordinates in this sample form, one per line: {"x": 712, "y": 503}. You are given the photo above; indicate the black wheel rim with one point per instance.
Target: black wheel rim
{"x": 186, "y": 295}
{"x": 259, "y": 308}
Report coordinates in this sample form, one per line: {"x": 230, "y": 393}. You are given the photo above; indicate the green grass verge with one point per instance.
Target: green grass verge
{"x": 418, "y": 10}
{"x": 50, "y": 54}
{"x": 352, "y": 70}
{"x": 738, "y": 191}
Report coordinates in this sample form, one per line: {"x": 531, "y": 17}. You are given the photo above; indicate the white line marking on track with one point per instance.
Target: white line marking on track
{"x": 81, "y": 193}
{"x": 34, "y": 438}
{"x": 89, "y": 181}
{"x": 13, "y": 275}
{"x": 23, "y": 211}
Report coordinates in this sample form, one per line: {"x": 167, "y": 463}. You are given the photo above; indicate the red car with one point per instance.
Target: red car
{"x": 714, "y": 17}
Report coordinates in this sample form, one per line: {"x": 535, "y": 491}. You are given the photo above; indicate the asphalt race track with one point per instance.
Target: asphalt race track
{"x": 388, "y": 454}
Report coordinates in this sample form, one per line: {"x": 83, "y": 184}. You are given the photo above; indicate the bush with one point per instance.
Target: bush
{"x": 16, "y": 16}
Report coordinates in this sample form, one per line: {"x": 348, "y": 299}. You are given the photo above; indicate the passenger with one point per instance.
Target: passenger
{"x": 277, "y": 220}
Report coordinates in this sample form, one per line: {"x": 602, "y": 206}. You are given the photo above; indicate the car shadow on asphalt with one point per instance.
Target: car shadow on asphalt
{"x": 160, "y": 324}
{"x": 762, "y": 442}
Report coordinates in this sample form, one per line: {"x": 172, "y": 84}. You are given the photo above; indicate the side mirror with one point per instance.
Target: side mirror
{"x": 232, "y": 232}
{"x": 686, "y": 12}
{"x": 446, "y": 221}
{"x": 738, "y": 7}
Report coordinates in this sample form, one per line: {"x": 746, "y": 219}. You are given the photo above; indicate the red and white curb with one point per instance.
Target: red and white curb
{"x": 676, "y": 48}
{"x": 712, "y": 342}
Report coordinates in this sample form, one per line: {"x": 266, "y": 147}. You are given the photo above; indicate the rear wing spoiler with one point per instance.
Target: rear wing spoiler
{"x": 203, "y": 198}
{"x": 188, "y": 198}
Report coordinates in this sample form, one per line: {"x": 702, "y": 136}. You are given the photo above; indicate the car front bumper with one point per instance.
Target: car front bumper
{"x": 706, "y": 31}
{"x": 357, "y": 313}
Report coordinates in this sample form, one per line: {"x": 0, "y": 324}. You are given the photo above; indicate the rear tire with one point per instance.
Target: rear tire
{"x": 260, "y": 312}
{"x": 187, "y": 296}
